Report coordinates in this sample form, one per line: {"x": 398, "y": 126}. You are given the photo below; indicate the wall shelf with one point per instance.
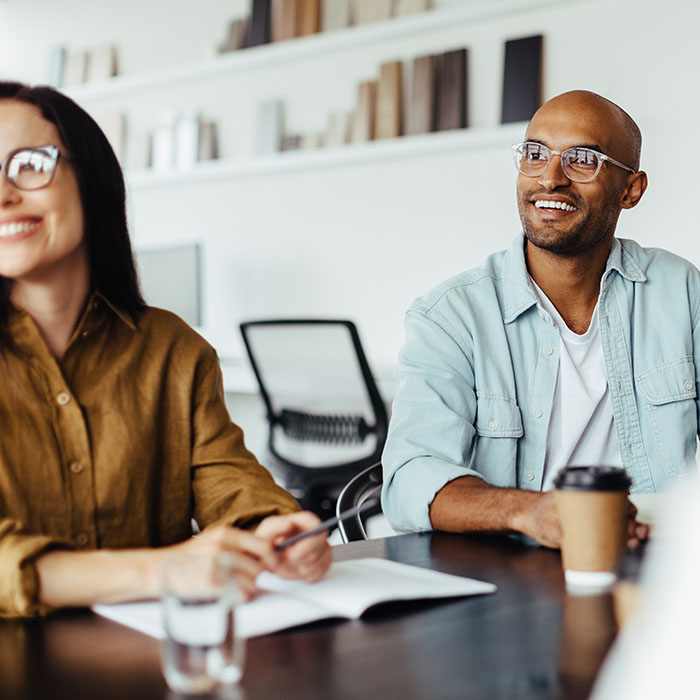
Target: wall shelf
{"x": 314, "y": 45}
{"x": 432, "y": 144}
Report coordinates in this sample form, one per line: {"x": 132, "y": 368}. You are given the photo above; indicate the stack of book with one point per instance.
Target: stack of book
{"x": 280, "y": 20}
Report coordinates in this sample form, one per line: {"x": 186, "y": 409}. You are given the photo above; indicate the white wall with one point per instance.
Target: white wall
{"x": 362, "y": 241}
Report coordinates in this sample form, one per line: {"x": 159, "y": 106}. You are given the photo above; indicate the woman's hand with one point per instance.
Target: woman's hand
{"x": 253, "y": 554}
{"x": 309, "y": 558}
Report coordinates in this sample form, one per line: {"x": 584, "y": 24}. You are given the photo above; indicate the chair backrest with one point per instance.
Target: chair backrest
{"x": 363, "y": 486}
{"x": 326, "y": 418}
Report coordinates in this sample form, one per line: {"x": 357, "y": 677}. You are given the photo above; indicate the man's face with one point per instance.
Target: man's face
{"x": 589, "y": 210}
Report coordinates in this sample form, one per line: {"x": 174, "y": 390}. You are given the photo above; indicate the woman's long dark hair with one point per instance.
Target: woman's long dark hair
{"x": 102, "y": 194}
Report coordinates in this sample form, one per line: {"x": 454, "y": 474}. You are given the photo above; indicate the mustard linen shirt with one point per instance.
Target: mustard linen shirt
{"x": 119, "y": 444}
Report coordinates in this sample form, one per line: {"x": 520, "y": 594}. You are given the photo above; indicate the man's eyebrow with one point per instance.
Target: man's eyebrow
{"x": 592, "y": 146}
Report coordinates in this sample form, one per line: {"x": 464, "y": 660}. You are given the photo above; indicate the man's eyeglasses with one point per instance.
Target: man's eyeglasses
{"x": 31, "y": 168}
{"x": 579, "y": 164}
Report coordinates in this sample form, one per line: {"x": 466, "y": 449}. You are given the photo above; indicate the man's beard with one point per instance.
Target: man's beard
{"x": 579, "y": 238}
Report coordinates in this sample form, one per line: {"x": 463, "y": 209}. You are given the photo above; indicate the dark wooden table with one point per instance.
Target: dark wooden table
{"x": 529, "y": 640}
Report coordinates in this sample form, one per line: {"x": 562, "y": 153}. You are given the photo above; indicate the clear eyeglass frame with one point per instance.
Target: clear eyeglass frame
{"x": 566, "y": 160}
{"x": 31, "y": 168}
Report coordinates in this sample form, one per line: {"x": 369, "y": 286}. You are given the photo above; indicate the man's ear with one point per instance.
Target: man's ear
{"x": 634, "y": 189}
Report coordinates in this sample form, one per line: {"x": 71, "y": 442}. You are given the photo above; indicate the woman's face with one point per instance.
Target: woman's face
{"x": 41, "y": 231}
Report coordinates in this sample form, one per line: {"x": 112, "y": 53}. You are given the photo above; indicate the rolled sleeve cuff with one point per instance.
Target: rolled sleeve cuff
{"x": 408, "y": 493}
{"x": 19, "y": 580}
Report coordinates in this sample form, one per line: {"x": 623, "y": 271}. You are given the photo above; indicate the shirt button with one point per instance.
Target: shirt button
{"x": 493, "y": 424}
{"x": 529, "y": 476}
{"x": 85, "y": 334}
{"x": 63, "y": 398}
{"x": 538, "y": 413}
{"x": 688, "y": 385}
{"x": 76, "y": 467}
{"x": 82, "y": 539}
{"x": 548, "y": 350}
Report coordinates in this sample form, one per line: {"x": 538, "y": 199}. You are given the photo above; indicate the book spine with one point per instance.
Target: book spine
{"x": 284, "y": 19}
{"x": 363, "y": 121}
{"x": 388, "y": 120}
{"x": 451, "y": 90}
{"x": 420, "y": 117}
{"x": 522, "y": 79}
{"x": 309, "y": 15}
{"x": 372, "y": 10}
{"x": 335, "y": 14}
{"x": 259, "y": 30}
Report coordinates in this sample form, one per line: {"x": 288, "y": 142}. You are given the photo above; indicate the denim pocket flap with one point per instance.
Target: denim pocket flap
{"x": 498, "y": 416}
{"x": 671, "y": 381}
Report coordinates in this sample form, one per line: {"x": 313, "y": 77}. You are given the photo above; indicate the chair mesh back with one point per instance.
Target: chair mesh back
{"x": 323, "y": 413}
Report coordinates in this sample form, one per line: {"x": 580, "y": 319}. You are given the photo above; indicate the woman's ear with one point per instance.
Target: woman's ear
{"x": 634, "y": 189}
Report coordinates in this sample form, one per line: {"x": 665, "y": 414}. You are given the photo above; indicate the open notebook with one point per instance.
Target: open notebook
{"x": 348, "y": 590}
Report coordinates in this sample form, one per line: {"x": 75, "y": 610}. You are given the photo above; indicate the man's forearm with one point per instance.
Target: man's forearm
{"x": 471, "y": 505}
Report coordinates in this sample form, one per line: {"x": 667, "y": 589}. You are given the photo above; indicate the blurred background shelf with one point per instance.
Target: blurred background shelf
{"x": 422, "y": 145}
{"x": 311, "y": 46}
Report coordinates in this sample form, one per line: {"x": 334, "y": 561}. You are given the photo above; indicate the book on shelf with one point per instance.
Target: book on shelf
{"x": 187, "y": 140}
{"x": 101, "y": 64}
{"x": 208, "y": 142}
{"x": 363, "y": 119}
{"x": 113, "y": 124}
{"x": 309, "y": 16}
{"x": 522, "y": 79}
{"x": 451, "y": 90}
{"x": 335, "y": 14}
{"x": 75, "y": 67}
{"x": 388, "y": 120}
{"x": 420, "y": 112}
{"x": 291, "y": 142}
{"x": 349, "y": 589}
{"x": 338, "y": 129}
{"x": 259, "y": 23}
{"x": 372, "y": 10}
{"x": 410, "y": 7}
{"x": 237, "y": 34}
{"x": 56, "y": 66}
{"x": 163, "y": 145}
{"x": 284, "y": 19}
{"x": 269, "y": 127}
{"x": 311, "y": 141}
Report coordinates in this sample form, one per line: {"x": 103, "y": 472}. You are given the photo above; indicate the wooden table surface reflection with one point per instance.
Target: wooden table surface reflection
{"x": 529, "y": 640}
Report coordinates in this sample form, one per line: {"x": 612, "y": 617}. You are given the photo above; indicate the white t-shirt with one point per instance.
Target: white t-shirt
{"x": 581, "y": 428}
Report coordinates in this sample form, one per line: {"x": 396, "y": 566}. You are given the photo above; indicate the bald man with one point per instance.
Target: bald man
{"x": 572, "y": 347}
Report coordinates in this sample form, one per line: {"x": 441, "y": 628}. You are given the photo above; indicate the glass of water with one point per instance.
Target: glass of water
{"x": 201, "y": 650}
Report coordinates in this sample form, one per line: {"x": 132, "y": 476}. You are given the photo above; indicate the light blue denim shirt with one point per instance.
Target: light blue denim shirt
{"x": 479, "y": 365}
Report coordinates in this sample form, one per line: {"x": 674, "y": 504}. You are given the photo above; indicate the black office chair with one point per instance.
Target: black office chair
{"x": 363, "y": 486}
{"x": 326, "y": 419}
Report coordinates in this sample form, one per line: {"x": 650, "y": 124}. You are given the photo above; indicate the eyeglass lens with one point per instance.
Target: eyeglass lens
{"x": 578, "y": 164}
{"x": 30, "y": 169}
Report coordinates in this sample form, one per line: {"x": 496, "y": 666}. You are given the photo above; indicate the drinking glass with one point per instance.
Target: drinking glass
{"x": 200, "y": 651}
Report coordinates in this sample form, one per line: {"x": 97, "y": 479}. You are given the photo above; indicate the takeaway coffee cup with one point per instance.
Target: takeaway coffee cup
{"x": 592, "y": 506}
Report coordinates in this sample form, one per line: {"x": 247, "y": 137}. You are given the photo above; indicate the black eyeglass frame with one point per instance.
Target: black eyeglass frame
{"x": 53, "y": 152}
{"x": 602, "y": 157}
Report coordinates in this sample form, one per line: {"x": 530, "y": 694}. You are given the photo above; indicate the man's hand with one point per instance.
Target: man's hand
{"x": 309, "y": 558}
{"x": 636, "y": 532}
{"x": 541, "y": 522}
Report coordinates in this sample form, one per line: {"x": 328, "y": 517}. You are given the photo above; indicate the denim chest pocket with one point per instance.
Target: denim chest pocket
{"x": 497, "y": 417}
{"x": 669, "y": 393}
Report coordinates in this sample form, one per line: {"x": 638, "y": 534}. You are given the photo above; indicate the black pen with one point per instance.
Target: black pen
{"x": 326, "y": 524}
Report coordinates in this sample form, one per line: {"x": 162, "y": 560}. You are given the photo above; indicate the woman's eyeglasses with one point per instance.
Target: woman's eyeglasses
{"x": 31, "y": 168}
{"x": 578, "y": 163}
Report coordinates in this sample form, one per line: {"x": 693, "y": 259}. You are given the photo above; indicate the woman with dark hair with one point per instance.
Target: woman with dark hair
{"x": 114, "y": 429}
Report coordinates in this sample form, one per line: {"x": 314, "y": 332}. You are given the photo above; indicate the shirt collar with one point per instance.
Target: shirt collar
{"x": 518, "y": 295}
{"x": 124, "y": 316}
